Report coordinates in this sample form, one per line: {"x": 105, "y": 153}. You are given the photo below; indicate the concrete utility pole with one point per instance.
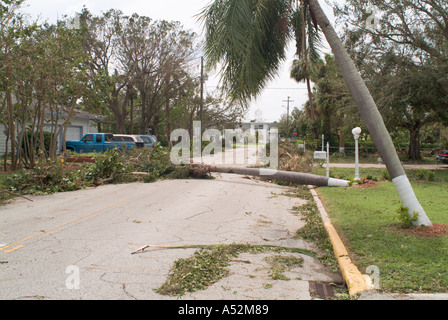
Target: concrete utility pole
{"x": 287, "y": 116}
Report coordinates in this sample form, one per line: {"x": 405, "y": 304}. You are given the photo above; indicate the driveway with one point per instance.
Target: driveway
{"x": 78, "y": 245}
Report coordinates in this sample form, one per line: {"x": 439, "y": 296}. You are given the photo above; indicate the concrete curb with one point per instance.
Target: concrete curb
{"x": 356, "y": 282}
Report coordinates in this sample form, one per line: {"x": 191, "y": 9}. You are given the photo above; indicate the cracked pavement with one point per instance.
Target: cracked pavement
{"x": 78, "y": 245}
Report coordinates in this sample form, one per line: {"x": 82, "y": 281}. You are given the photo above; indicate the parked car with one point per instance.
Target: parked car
{"x": 102, "y": 142}
{"x": 149, "y": 140}
{"x": 128, "y": 140}
{"x": 92, "y": 142}
{"x": 442, "y": 156}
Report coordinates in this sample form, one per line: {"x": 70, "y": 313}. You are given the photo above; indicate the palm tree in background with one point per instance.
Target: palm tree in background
{"x": 308, "y": 42}
{"x": 248, "y": 38}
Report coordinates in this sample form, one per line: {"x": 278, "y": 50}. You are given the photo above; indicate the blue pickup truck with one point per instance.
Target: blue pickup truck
{"x": 102, "y": 142}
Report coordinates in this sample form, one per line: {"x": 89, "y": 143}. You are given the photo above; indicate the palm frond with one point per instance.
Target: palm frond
{"x": 299, "y": 70}
{"x": 307, "y": 35}
{"x": 297, "y": 25}
{"x": 247, "y": 38}
{"x": 315, "y": 42}
{"x": 308, "y": 43}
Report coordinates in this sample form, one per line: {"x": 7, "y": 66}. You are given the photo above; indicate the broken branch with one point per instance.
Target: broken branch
{"x": 17, "y": 195}
{"x": 160, "y": 247}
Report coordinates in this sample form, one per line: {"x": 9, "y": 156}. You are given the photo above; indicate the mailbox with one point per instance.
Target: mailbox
{"x": 320, "y": 155}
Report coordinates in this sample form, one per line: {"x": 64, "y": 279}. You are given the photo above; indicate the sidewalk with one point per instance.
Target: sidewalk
{"x": 374, "y": 295}
{"x": 382, "y": 166}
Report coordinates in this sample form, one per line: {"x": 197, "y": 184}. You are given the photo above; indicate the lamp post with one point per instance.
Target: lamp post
{"x": 202, "y": 98}
{"x": 356, "y": 132}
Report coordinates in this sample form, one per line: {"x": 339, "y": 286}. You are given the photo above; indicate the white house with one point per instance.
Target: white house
{"x": 81, "y": 123}
{"x": 262, "y": 128}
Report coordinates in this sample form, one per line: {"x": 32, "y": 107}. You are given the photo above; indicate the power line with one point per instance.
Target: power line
{"x": 285, "y": 88}
{"x": 270, "y": 88}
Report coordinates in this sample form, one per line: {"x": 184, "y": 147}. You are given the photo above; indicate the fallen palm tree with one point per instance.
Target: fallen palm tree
{"x": 198, "y": 170}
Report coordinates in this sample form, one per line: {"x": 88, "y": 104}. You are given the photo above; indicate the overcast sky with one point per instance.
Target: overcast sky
{"x": 270, "y": 104}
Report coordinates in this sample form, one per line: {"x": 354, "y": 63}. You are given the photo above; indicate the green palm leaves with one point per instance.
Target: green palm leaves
{"x": 307, "y": 35}
{"x": 248, "y": 37}
{"x": 308, "y": 43}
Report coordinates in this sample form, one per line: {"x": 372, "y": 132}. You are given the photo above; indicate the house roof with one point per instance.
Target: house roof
{"x": 255, "y": 123}
{"x": 87, "y": 115}
{"x": 80, "y": 114}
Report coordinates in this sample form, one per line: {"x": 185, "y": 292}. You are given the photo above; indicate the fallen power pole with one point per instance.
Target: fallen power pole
{"x": 289, "y": 176}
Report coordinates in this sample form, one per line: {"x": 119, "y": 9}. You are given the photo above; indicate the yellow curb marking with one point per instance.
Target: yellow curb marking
{"x": 356, "y": 282}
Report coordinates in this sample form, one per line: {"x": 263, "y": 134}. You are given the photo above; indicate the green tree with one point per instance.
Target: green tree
{"x": 337, "y": 111}
{"x": 44, "y": 80}
{"x": 11, "y": 27}
{"x": 144, "y": 63}
{"x": 406, "y": 95}
{"x": 308, "y": 43}
{"x": 413, "y": 31}
{"x": 404, "y": 55}
{"x": 102, "y": 43}
{"x": 299, "y": 120}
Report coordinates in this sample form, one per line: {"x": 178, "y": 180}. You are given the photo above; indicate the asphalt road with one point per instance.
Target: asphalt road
{"x": 78, "y": 245}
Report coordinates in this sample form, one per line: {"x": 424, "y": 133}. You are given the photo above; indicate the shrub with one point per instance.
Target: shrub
{"x": 30, "y": 136}
{"x": 291, "y": 158}
{"x": 105, "y": 166}
{"x": 420, "y": 173}
{"x": 402, "y": 214}
{"x": 113, "y": 166}
{"x": 155, "y": 161}
{"x": 444, "y": 143}
{"x": 51, "y": 178}
{"x": 385, "y": 174}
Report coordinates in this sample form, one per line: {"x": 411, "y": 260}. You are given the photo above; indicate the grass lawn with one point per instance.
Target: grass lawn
{"x": 373, "y": 159}
{"x": 365, "y": 218}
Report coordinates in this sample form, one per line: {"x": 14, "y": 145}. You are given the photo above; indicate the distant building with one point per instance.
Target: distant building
{"x": 81, "y": 123}
{"x": 263, "y": 129}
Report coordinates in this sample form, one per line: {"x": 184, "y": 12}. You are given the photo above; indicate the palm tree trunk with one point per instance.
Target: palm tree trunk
{"x": 372, "y": 117}
{"x": 305, "y": 57}
{"x": 310, "y": 98}
{"x": 307, "y": 79}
